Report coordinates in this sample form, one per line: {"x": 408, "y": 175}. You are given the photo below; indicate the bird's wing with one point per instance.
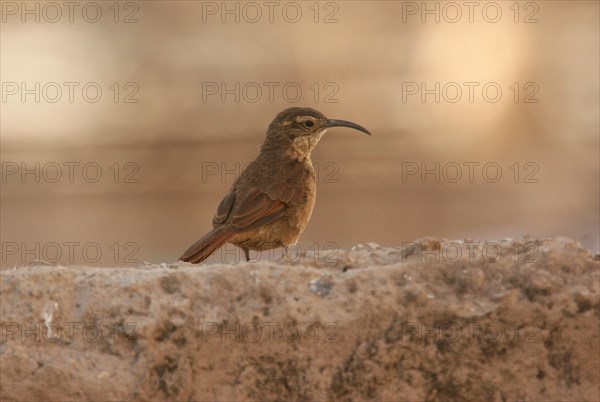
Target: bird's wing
{"x": 263, "y": 203}
{"x": 224, "y": 208}
{"x": 256, "y": 208}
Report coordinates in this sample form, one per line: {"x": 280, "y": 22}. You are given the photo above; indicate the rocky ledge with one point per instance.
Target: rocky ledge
{"x": 432, "y": 320}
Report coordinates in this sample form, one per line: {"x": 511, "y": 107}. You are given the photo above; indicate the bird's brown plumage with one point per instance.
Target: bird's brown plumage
{"x": 271, "y": 202}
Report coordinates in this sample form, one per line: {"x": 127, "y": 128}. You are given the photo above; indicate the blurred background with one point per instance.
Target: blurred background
{"x": 123, "y": 124}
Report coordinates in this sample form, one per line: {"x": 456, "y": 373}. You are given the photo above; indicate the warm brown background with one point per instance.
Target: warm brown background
{"x": 170, "y": 133}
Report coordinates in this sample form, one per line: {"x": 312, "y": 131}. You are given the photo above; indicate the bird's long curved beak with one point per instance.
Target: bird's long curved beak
{"x": 343, "y": 123}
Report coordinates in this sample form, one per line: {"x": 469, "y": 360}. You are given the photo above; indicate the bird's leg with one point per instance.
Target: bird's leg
{"x": 291, "y": 247}
{"x": 246, "y": 253}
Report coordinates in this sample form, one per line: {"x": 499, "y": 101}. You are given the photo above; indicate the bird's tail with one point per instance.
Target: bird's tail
{"x": 207, "y": 245}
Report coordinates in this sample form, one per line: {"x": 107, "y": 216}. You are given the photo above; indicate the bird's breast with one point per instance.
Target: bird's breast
{"x": 299, "y": 213}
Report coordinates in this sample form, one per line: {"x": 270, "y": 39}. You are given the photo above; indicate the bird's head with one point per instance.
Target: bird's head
{"x": 299, "y": 129}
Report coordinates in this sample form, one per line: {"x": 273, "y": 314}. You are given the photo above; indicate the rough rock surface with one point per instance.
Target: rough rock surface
{"x": 372, "y": 323}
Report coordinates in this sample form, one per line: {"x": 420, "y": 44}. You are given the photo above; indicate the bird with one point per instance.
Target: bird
{"x": 270, "y": 203}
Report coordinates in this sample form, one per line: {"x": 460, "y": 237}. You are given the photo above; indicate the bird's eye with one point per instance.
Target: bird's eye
{"x": 308, "y": 123}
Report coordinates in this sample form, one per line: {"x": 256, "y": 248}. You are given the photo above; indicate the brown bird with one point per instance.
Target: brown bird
{"x": 270, "y": 203}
